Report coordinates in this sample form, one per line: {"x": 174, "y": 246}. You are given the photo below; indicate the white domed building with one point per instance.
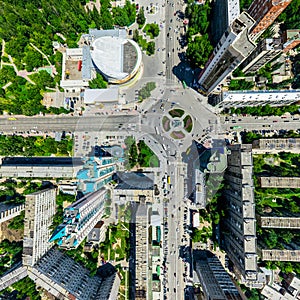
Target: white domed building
{"x": 117, "y": 58}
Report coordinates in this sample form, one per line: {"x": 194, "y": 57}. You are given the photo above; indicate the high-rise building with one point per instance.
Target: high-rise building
{"x": 234, "y": 46}
{"x": 224, "y": 13}
{"x": 142, "y": 261}
{"x": 215, "y": 281}
{"x": 240, "y": 230}
{"x": 266, "y": 50}
{"x": 265, "y": 12}
{"x": 79, "y": 219}
{"x": 39, "y": 212}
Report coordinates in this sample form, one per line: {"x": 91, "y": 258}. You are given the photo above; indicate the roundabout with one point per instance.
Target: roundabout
{"x": 177, "y": 123}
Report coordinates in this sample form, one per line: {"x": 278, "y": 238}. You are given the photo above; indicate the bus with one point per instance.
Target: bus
{"x": 184, "y": 84}
{"x": 169, "y": 180}
{"x": 236, "y": 127}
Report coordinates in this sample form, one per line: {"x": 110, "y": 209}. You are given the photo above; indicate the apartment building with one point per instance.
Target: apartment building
{"x": 240, "y": 224}
{"x": 79, "y": 219}
{"x": 265, "y": 12}
{"x": 142, "y": 273}
{"x": 277, "y": 145}
{"x": 253, "y": 98}
{"x": 215, "y": 281}
{"x": 39, "y": 211}
{"x": 291, "y": 39}
{"x": 224, "y": 13}
{"x": 66, "y": 279}
{"x": 265, "y": 51}
{"x": 234, "y": 46}
{"x": 40, "y": 167}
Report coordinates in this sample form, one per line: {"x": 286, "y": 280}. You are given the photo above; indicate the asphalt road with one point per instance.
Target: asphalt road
{"x": 171, "y": 49}
{"x": 256, "y": 123}
{"x": 66, "y": 123}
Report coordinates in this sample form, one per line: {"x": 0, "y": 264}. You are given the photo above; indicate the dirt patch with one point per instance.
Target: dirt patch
{"x": 10, "y": 234}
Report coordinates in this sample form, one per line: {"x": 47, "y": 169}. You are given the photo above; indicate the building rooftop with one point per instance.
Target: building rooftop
{"x": 42, "y": 161}
{"x": 241, "y": 27}
{"x": 115, "y": 57}
{"x": 97, "y": 96}
{"x": 71, "y": 276}
{"x": 261, "y": 95}
{"x": 135, "y": 181}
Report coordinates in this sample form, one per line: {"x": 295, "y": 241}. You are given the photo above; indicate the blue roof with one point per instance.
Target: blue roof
{"x": 59, "y": 232}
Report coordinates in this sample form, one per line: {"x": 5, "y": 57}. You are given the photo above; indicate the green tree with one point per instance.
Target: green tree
{"x": 135, "y": 35}
{"x": 199, "y": 50}
{"x": 43, "y": 80}
{"x": 140, "y": 18}
{"x": 32, "y": 59}
{"x": 240, "y": 84}
{"x": 152, "y": 30}
{"x": 151, "y": 48}
{"x": 98, "y": 82}
{"x": 290, "y": 16}
{"x": 17, "y": 222}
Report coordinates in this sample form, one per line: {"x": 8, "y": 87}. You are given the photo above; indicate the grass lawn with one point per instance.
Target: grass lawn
{"x": 188, "y": 124}
{"x": 177, "y": 135}
{"x": 146, "y": 157}
{"x": 176, "y": 113}
{"x": 166, "y": 123}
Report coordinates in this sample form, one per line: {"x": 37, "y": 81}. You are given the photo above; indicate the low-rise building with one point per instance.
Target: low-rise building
{"x": 134, "y": 187}
{"x": 276, "y": 145}
{"x": 97, "y": 234}
{"x": 280, "y": 182}
{"x": 101, "y": 97}
{"x": 95, "y": 173}
{"x": 291, "y": 39}
{"x": 285, "y": 220}
{"x": 9, "y": 211}
{"x": 290, "y": 253}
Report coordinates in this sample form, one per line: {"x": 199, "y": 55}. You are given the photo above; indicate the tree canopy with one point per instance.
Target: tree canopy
{"x": 98, "y": 82}
{"x": 198, "y": 50}
{"x": 140, "y": 18}
{"x": 290, "y": 16}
